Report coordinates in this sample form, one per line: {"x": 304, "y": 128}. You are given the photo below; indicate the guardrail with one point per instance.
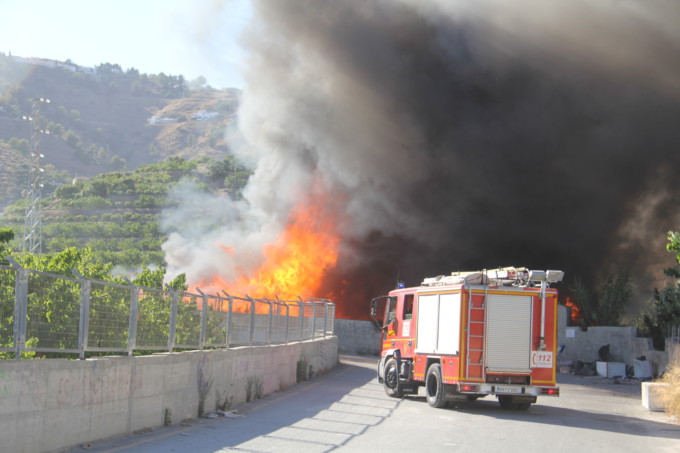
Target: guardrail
{"x": 51, "y": 313}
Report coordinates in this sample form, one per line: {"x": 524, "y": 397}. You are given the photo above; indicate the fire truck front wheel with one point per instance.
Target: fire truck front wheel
{"x": 391, "y": 382}
{"x": 434, "y": 389}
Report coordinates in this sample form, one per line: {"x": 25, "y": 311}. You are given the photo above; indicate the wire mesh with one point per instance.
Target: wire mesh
{"x": 153, "y": 319}
{"x": 216, "y": 322}
{"x": 279, "y": 330}
{"x": 294, "y": 321}
{"x": 64, "y": 314}
{"x": 53, "y": 312}
{"x": 109, "y": 317}
{"x": 307, "y": 322}
{"x": 330, "y": 318}
{"x": 188, "y": 324}
{"x": 240, "y": 322}
{"x": 261, "y": 322}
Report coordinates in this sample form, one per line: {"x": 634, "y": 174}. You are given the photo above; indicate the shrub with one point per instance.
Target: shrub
{"x": 670, "y": 395}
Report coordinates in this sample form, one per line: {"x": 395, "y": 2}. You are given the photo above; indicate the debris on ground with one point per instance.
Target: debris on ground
{"x": 230, "y": 414}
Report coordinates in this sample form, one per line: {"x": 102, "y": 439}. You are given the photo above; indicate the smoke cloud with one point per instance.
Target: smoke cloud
{"x": 461, "y": 135}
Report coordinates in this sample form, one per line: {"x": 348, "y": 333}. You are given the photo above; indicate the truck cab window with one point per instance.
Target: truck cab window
{"x": 408, "y": 306}
{"x": 391, "y": 310}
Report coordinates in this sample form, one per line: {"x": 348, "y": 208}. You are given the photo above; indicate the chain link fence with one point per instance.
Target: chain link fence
{"x": 42, "y": 312}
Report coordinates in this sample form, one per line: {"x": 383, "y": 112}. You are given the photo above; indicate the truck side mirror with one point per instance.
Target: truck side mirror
{"x": 374, "y": 308}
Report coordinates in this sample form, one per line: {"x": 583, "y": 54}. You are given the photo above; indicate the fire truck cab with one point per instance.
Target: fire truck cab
{"x": 471, "y": 334}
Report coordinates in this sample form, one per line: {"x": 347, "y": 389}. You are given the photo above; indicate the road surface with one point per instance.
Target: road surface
{"x": 346, "y": 410}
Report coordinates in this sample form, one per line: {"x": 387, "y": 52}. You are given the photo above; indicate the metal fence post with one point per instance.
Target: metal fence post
{"x": 204, "y": 321}
{"x": 229, "y": 312}
{"x": 252, "y": 320}
{"x": 83, "y": 325}
{"x": 20, "y": 307}
{"x": 325, "y": 318}
{"x": 285, "y": 340}
{"x": 134, "y": 313}
{"x": 332, "y": 316}
{"x": 313, "y": 320}
{"x": 174, "y": 302}
{"x": 271, "y": 315}
{"x": 301, "y": 315}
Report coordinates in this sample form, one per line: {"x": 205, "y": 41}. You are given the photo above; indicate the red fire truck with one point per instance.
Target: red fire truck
{"x": 472, "y": 334}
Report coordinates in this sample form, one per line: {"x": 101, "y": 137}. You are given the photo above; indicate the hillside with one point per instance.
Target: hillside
{"x": 117, "y": 214}
{"x": 114, "y": 143}
{"x": 104, "y": 119}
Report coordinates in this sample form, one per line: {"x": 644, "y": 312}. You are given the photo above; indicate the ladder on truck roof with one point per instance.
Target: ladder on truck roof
{"x": 475, "y": 333}
{"x": 503, "y": 276}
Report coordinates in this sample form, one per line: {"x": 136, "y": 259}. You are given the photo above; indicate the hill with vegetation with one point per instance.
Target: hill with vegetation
{"x": 117, "y": 214}
{"x": 114, "y": 142}
{"x": 104, "y": 119}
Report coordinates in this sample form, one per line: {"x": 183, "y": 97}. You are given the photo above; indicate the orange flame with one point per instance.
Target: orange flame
{"x": 297, "y": 261}
{"x": 576, "y": 315}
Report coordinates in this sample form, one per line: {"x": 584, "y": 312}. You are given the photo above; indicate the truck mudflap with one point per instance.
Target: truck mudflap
{"x": 518, "y": 391}
{"x": 392, "y": 353}
{"x": 381, "y": 370}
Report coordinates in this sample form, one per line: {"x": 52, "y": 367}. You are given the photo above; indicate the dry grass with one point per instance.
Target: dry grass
{"x": 670, "y": 395}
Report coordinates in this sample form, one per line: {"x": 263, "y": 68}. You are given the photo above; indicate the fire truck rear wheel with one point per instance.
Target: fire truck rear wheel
{"x": 434, "y": 388}
{"x": 391, "y": 382}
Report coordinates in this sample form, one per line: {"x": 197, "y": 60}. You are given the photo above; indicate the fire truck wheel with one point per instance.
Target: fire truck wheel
{"x": 434, "y": 389}
{"x": 391, "y": 382}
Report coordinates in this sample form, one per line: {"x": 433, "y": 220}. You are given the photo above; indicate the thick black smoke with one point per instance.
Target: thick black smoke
{"x": 470, "y": 135}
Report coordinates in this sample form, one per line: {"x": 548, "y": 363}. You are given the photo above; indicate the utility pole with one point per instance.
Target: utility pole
{"x": 33, "y": 220}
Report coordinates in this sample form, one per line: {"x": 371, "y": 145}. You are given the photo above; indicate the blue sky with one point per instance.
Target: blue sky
{"x": 188, "y": 37}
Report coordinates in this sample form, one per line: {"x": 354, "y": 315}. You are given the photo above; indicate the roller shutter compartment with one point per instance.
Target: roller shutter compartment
{"x": 508, "y": 333}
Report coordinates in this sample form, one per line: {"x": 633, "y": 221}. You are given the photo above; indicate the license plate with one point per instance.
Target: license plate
{"x": 508, "y": 389}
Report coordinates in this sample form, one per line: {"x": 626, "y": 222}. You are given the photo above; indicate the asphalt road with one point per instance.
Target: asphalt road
{"x": 346, "y": 410}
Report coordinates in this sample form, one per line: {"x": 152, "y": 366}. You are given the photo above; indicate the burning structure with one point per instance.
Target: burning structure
{"x": 396, "y": 139}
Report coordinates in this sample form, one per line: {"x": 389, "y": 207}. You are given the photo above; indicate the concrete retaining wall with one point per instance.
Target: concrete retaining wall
{"x": 624, "y": 344}
{"x": 357, "y": 337}
{"x": 47, "y": 405}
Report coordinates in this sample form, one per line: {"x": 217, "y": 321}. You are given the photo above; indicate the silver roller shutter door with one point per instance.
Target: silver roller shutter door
{"x": 508, "y": 333}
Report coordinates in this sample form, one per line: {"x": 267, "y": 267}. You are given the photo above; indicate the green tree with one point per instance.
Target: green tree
{"x": 154, "y": 278}
{"x": 663, "y": 310}
{"x": 6, "y": 235}
{"x": 153, "y": 326}
{"x": 73, "y": 140}
{"x": 69, "y": 191}
{"x": 118, "y": 163}
{"x": 606, "y": 306}
{"x": 20, "y": 144}
{"x": 146, "y": 201}
{"x": 54, "y": 303}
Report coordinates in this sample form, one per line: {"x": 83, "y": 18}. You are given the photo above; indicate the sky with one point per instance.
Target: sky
{"x": 177, "y": 37}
